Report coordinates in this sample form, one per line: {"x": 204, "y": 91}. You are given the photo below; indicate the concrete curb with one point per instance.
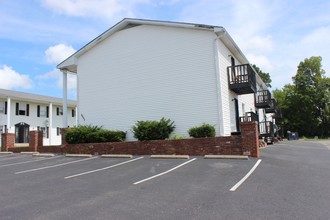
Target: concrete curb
{"x": 6, "y": 152}
{"x": 169, "y": 156}
{"x": 43, "y": 155}
{"x": 117, "y": 156}
{"x": 29, "y": 152}
{"x": 78, "y": 155}
{"x": 239, "y": 157}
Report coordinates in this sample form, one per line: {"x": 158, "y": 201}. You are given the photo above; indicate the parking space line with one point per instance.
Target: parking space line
{"x": 11, "y": 157}
{"x": 57, "y": 165}
{"x": 30, "y": 161}
{"x": 246, "y": 176}
{"x": 104, "y": 168}
{"x": 163, "y": 173}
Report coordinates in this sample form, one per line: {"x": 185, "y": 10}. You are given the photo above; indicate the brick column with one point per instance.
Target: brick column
{"x": 35, "y": 140}
{"x": 63, "y": 133}
{"x": 250, "y": 138}
{"x": 7, "y": 141}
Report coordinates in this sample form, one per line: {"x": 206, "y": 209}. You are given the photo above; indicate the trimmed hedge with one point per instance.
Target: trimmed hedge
{"x": 204, "y": 130}
{"x": 153, "y": 130}
{"x": 92, "y": 134}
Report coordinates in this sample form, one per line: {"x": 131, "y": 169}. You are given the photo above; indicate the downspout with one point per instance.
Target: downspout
{"x": 218, "y": 83}
{"x": 50, "y": 115}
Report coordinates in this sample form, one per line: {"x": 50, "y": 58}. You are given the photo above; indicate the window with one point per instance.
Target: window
{"x": 22, "y": 109}
{"x": 2, "y": 107}
{"x": 59, "y": 111}
{"x": 45, "y": 131}
{"x": 73, "y": 113}
{"x": 58, "y": 131}
{"x": 42, "y": 111}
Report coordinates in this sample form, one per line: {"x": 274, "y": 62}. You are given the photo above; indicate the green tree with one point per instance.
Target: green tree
{"x": 264, "y": 76}
{"x": 305, "y": 104}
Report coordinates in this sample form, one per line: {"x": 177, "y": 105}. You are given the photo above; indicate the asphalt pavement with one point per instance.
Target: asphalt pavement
{"x": 291, "y": 181}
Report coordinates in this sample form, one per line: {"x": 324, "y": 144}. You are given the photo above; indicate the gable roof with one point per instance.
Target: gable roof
{"x": 70, "y": 64}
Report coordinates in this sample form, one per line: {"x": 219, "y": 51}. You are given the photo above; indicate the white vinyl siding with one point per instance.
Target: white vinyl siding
{"x": 228, "y": 96}
{"x": 146, "y": 73}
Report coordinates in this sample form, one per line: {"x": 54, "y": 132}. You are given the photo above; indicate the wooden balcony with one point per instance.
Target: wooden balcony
{"x": 242, "y": 79}
{"x": 278, "y": 113}
{"x": 266, "y": 129}
{"x": 263, "y": 99}
{"x": 249, "y": 116}
{"x": 272, "y": 108}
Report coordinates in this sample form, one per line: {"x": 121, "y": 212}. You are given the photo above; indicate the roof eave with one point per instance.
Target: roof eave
{"x": 233, "y": 47}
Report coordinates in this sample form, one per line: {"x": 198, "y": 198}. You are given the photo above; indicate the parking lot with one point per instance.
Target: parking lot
{"x": 62, "y": 187}
{"x": 288, "y": 184}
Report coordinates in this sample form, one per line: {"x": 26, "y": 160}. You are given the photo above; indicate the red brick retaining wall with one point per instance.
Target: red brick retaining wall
{"x": 35, "y": 140}
{"x": 7, "y": 141}
{"x": 193, "y": 147}
{"x": 247, "y": 143}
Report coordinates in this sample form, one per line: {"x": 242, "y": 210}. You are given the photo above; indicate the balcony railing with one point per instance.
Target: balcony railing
{"x": 278, "y": 113}
{"x": 272, "y": 108}
{"x": 242, "y": 79}
{"x": 263, "y": 99}
{"x": 266, "y": 129}
{"x": 249, "y": 116}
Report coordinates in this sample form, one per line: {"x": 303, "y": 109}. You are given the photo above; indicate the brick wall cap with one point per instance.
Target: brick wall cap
{"x": 239, "y": 157}
{"x": 169, "y": 156}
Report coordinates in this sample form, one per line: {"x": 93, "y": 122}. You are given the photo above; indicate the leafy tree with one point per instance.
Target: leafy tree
{"x": 264, "y": 76}
{"x": 305, "y": 104}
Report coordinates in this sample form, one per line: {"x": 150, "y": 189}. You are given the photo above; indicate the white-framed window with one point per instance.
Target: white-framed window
{"x": 3, "y": 107}
{"x": 22, "y": 109}
{"x": 58, "y": 131}
{"x": 42, "y": 111}
{"x": 59, "y": 111}
{"x": 45, "y": 131}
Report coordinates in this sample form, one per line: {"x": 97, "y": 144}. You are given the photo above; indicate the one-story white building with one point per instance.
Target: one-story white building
{"x": 147, "y": 69}
{"x": 22, "y": 112}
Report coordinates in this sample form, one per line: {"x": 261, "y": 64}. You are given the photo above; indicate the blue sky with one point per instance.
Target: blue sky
{"x": 36, "y": 35}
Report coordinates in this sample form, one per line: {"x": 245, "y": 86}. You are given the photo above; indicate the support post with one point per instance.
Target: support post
{"x": 50, "y": 115}
{"x": 8, "y": 114}
{"x": 65, "y": 99}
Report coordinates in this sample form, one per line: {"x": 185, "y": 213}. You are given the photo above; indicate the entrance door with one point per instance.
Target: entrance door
{"x": 237, "y": 115}
{"x": 22, "y": 133}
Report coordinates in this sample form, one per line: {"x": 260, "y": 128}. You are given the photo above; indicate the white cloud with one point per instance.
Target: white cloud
{"x": 261, "y": 61}
{"x": 257, "y": 44}
{"x": 95, "y": 8}
{"x": 11, "y": 79}
{"x": 57, "y": 76}
{"x": 58, "y": 53}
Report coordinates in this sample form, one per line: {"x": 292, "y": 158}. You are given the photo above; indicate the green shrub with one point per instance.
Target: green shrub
{"x": 204, "y": 130}
{"x": 93, "y": 134}
{"x": 153, "y": 130}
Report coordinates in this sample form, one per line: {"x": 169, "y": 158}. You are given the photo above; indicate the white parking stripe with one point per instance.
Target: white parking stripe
{"x": 246, "y": 176}
{"x": 57, "y": 165}
{"x": 163, "y": 173}
{"x": 30, "y": 161}
{"x": 104, "y": 168}
{"x": 11, "y": 157}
